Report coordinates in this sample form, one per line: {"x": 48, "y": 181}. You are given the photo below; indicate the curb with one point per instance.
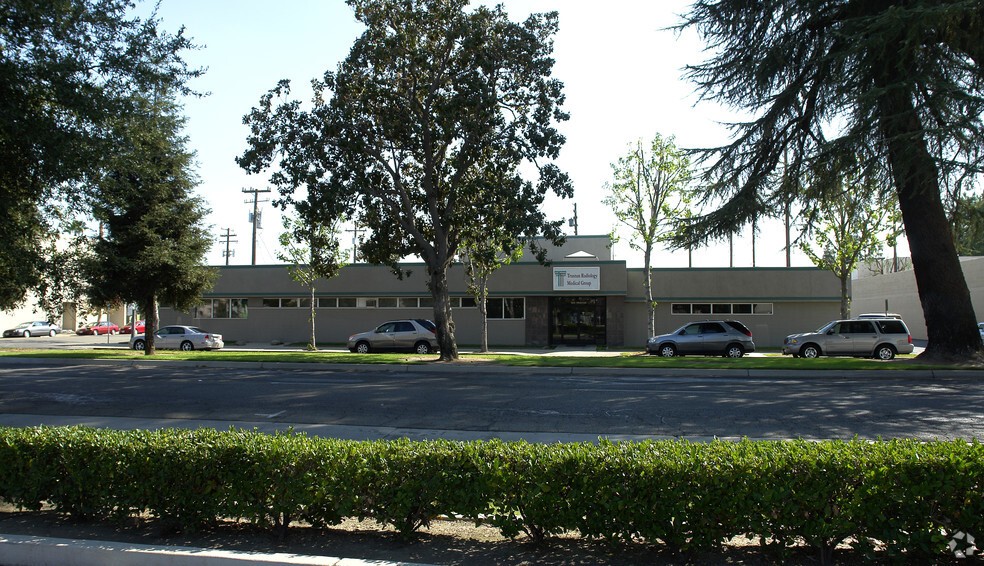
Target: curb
{"x": 18, "y": 550}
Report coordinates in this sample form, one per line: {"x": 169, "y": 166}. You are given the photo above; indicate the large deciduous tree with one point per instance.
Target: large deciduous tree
{"x": 897, "y": 83}
{"x": 67, "y": 67}
{"x": 428, "y": 95}
{"x": 155, "y": 241}
{"x": 649, "y": 195}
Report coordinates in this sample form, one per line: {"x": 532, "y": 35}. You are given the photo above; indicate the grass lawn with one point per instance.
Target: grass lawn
{"x": 625, "y": 360}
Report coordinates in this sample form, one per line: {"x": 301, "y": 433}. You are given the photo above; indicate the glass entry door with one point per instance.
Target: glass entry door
{"x": 577, "y": 321}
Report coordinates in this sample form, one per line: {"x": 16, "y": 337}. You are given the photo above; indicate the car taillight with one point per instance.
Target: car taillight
{"x": 748, "y": 333}
{"x": 910, "y": 338}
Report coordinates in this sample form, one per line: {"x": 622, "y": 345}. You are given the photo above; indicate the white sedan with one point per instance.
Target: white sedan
{"x": 185, "y": 338}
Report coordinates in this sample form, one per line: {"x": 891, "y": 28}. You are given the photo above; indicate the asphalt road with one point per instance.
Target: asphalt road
{"x": 465, "y": 404}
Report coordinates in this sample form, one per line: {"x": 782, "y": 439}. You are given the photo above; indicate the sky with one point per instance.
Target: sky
{"x": 623, "y": 78}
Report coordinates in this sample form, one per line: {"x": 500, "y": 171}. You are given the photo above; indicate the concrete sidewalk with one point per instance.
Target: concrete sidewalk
{"x": 17, "y": 550}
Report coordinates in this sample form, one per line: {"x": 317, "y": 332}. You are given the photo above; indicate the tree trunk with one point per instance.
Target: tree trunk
{"x": 442, "y": 314}
{"x": 150, "y": 325}
{"x": 647, "y": 284}
{"x": 483, "y": 305}
{"x": 950, "y": 321}
{"x": 845, "y": 297}
{"x": 314, "y": 340}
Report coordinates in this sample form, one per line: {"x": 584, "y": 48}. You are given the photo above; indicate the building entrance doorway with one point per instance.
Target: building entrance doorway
{"x": 577, "y": 321}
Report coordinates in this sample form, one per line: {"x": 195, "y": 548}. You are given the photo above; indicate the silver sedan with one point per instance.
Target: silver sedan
{"x": 184, "y": 338}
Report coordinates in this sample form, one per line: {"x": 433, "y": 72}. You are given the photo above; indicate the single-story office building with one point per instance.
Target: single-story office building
{"x": 582, "y": 297}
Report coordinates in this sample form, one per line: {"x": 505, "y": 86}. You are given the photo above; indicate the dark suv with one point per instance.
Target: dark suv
{"x": 728, "y": 338}
{"x": 880, "y": 338}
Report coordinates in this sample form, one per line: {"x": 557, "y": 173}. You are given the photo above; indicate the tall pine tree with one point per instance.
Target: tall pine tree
{"x": 155, "y": 241}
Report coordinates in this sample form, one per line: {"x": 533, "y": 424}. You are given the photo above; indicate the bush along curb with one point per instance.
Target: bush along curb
{"x": 889, "y": 499}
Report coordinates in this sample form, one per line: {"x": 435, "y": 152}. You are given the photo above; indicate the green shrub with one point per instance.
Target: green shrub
{"x": 905, "y": 498}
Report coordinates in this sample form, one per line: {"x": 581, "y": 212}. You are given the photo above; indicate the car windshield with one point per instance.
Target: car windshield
{"x": 826, "y": 327}
{"x": 23, "y": 324}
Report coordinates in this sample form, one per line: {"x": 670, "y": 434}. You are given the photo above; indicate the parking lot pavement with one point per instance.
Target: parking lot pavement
{"x": 67, "y": 340}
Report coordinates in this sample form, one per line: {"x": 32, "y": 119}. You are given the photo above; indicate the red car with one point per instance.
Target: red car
{"x": 99, "y": 328}
{"x": 140, "y": 328}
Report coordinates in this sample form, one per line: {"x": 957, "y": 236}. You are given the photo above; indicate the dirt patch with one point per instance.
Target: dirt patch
{"x": 445, "y": 542}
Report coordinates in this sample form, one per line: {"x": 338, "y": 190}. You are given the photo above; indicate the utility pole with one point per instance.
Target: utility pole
{"x": 255, "y": 218}
{"x": 355, "y": 240}
{"x": 573, "y": 221}
{"x": 228, "y": 238}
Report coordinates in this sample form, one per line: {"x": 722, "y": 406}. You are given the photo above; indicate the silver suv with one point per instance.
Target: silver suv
{"x": 728, "y": 338}
{"x": 416, "y": 335}
{"x": 880, "y": 338}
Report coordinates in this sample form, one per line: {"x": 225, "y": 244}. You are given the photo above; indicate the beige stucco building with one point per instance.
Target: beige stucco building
{"x": 581, "y": 297}
{"x": 897, "y": 293}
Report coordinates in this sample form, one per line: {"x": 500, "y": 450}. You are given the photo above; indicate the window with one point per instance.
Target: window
{"x": 288, "y": 303}
{"x": 427, "y": 302}
{"x": 347, "y": 303}
{"x": 862, "y": 327}
{"x": 404, "y": 326}
{"x": 222, "y": 308}
{"x": 367, "y": 302}
{"x": 327, "y": 302}
{"x": 271, "y": 303}
{"x": 408, "y": 302}
{"x": 468, "y": 302}
{"x": 721, "y": 308}
{"x": 386, "y": 302}
{"x": 510, "y": 308}
{"x": 762, "y": 308}
{"x": 891, "y": 327}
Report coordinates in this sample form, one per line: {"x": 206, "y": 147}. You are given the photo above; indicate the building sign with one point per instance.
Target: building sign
{"x": 577, "y": 279}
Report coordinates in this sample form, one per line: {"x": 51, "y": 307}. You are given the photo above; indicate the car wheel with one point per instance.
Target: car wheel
{"x": 734, "y": 351}
{"x": 885, "y": 352}
{"x": 422, "y": 348}
{"x": 187, "y": 346}
{"x": 667, "y": 350}
{"x": 810, "y": 351}
{"x": 362, "y": 348}
{"x": 52, "y": 333}
{"x": 138, "y": 345}
{"x": 111, "y": 331}
{"x": 27, "y": 334}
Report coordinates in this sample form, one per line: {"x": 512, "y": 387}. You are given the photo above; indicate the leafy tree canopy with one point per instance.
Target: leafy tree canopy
{"x": 405, "y": 131}
{"x": 67, "y": 67}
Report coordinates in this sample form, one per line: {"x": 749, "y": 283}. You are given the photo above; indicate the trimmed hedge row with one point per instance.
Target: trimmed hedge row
{"x": 907, "y": 497}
